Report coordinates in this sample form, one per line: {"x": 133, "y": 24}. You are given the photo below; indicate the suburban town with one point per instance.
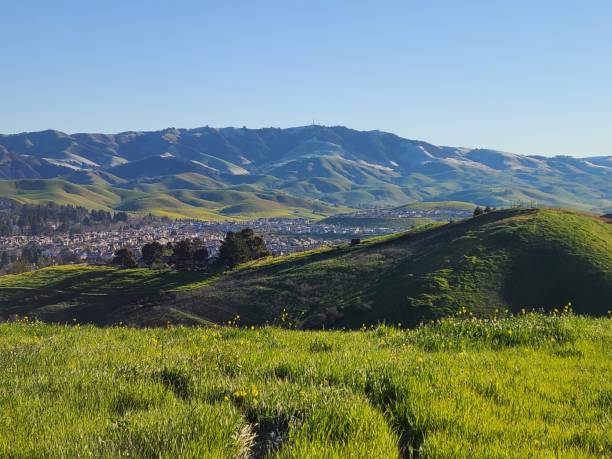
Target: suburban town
{"x": 282, "y": 235}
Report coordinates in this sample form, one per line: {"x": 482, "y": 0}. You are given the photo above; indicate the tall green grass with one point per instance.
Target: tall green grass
{"x": 525, "y": 386}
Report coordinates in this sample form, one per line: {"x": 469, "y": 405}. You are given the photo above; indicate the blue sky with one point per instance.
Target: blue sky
{"x": 523, "y": 76}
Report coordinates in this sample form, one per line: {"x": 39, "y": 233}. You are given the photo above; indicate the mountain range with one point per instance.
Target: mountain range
{"x": 310, "y": 168}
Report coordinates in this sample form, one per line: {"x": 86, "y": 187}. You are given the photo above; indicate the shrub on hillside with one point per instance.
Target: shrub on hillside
{"x": 124, "y": 258}
{"x": 152, "y": 253}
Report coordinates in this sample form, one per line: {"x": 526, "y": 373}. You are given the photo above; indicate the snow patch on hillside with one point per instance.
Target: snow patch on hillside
{"x": 63, "y": 163}
{"x": 379, "y": 167}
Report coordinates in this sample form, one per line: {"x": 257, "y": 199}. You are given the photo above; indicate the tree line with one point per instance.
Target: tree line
{"x": 479, "y": 210}
{"x": 31, "y": 256}
{"x": 49, "y": 219}
{"x": 193, "y": 255}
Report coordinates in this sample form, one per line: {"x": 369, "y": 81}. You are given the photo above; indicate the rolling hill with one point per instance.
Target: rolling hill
{"x": 29, "y": 191}
{"x": 505, "y": 259}
{"x": 336, "y": 164}
{"x": 216, "y": 204}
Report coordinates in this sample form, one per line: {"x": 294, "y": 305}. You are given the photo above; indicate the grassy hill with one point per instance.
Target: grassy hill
{"x": 506, "y": 259}
{"x": 216, "y": 204}
{"x": 529, "y": 386}
{"x": 60, "y": 192}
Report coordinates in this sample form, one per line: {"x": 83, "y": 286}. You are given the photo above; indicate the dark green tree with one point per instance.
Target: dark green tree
{"x": 67, "y": 256}
{"x": 4, "y": 260}
{"x": 152, "y": 253}
{"x": 120, "y": 217}
{"x": 181, "y": 257}
{"x": 478, "y": 211}
{"x": 124, "y": 258}
{"x": 6, "y": 227}
{"x": 242, "y": 246}
{"x": 200, "y": 258}
{"x": 31, "y": 253}
{"x": 189, "y": 254}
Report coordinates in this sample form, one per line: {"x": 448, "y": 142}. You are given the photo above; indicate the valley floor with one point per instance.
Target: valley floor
{"x": 527, "y": 386}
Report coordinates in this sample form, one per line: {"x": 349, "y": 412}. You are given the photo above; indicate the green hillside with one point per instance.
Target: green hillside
{"x": 506, "y": 259}
{"x": 215, "y": 204}
{"x": 529, "y": 386}
{"x": 60, "y": 192}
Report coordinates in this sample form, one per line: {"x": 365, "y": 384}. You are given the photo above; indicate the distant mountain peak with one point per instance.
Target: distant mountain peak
{"x": 333, "y": 163}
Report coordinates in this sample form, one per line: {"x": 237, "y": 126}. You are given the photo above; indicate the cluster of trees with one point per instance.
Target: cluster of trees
{"x": 192, "y": 254}
{"x": 479, "y": 210}
{"x": 184, "y": 255}
{"x": 49, "y": 219}
{"x": 124, "y": 258}
{"x": 11, "y": 264}
{"x": 242, "y": 246}
{"x": 31, "y": 256}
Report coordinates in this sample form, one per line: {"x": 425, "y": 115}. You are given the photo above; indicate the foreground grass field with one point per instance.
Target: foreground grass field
{"x": 526, "y": 386}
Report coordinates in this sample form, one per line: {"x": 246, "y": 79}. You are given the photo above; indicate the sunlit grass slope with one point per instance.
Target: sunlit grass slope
{"x": 530, "y": 386}
{"x": 100, "y": 294}
{"x": 215, "y": 204}
{"x": 60, "y": 192}
{"x": 507, "y": 259}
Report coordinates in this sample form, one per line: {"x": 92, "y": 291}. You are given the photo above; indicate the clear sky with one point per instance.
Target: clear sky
{"x": 528, "y": 76}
